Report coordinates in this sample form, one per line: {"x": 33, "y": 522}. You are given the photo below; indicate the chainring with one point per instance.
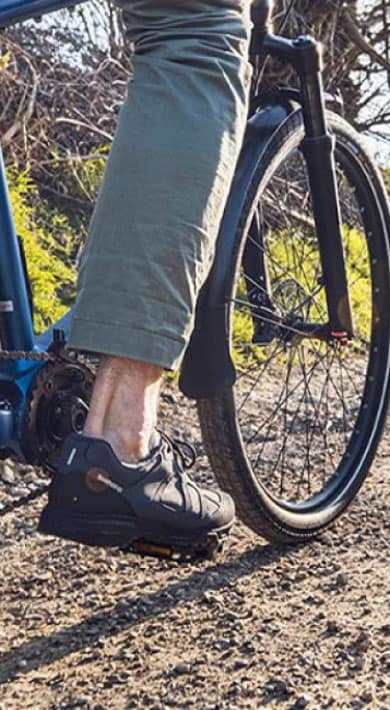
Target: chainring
{"x": 57, "y": 406}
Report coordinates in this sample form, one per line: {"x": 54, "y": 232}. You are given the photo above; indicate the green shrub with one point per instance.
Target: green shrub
{"x": 386, "y": 177}
{"x": 295, "y": 261}
{"x": 47, "y": 251}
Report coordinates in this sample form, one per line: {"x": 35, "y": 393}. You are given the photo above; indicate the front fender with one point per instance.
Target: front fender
{"x": 207, "y": 367}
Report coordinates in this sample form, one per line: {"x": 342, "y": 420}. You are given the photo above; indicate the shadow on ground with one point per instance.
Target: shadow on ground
{"x": 43, "y": 650}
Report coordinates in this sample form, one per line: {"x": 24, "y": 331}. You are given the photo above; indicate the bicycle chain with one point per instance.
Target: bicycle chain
{"x": 26, "y": 355}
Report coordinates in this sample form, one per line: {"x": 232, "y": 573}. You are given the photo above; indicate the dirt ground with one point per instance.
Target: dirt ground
{"x": 303, "y": 627}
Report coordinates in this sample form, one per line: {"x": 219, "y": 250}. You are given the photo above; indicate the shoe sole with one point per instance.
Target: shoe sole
{"x": 118, "y": 531}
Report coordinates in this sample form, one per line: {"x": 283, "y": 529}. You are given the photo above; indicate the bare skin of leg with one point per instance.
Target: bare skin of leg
{"x": 124, "y": 406}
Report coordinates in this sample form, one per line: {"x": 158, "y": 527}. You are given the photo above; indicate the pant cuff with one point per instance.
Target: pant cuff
{"x": 126, "y": 341}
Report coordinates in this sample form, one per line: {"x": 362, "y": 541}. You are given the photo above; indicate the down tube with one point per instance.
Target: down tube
{"x": 16, "y": 329}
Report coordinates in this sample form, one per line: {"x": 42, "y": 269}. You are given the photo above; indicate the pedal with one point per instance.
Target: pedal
{"x": 152, "y": 550}
{"x": 208, "y": 550}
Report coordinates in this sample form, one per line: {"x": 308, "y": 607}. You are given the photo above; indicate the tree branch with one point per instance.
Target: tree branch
{"x": 357, "y": 37}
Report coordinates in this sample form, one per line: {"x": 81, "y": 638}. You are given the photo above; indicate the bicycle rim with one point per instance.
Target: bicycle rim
{"x": 305, "y": 415}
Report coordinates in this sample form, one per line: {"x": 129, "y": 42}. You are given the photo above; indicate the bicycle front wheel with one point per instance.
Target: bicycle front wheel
{"x": 293, "y": 440}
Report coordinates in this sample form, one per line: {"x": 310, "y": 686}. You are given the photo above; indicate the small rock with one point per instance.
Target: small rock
{"x": 239, "y": 664}
{"x": 29, "y": 477}
{"x": 19, "y": 492}
{"x": 182, "y": 669}
{"x": 342, "y": 579}
{"x": 231, "y": 615}
{"x": 332, "y": 627}
{"x": 367, "y": 696}
{"x": 151, "y": 648}
{"x": 234, "y": 689}
{"x": 25, "y": 468}
{"x": 247, "y": 647}
{"x": 222, "y": 644}
{"x": 7, "y": 475}
{"x": 285, "y": 585}
{"x": 277, "y": 688}
{"x": 359, "y": 663}
{"x": 20, "y": 524}
{"x": 302, "y": 702}
{"x": 211, "y": 598}
{"x": 169, "y": 398}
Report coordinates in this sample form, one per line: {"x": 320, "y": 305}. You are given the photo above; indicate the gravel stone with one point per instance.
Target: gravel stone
{"x": 7, "y": 474}
{"x": 20, "y": 492}
{"x": 342, "y": 579}
{"x": 182, "y": 669}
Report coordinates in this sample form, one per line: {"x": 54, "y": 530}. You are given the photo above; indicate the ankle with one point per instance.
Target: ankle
{"x": 128, "y": 449}
{"x": 124, "y": 406}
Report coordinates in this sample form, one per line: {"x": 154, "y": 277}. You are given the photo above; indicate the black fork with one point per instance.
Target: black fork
{"x": 318, "y": 147}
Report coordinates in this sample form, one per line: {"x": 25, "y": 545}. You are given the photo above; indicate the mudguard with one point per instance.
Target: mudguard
{"x": 207, "y": 367}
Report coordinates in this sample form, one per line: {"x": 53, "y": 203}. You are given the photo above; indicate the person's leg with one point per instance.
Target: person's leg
{"x": 154, "y": 228}
{"x": 124, "y": 406}
{"x": 150, "y": 247}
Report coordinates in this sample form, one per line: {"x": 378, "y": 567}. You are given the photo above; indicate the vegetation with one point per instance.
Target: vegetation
{"x": 48, "y": 251}
{"x": 293, "y": 268}
{"x": 356, "y": 40}
{"x": 386, "y": 177}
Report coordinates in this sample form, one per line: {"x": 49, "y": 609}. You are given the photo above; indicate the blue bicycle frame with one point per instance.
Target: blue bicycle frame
{"x": 16, "y": 324}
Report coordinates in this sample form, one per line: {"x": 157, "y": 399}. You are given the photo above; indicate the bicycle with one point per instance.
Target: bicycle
{"x": 296, "y": 302}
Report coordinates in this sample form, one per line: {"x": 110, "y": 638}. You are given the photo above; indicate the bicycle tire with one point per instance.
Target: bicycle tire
{"x": 224, "y": 430}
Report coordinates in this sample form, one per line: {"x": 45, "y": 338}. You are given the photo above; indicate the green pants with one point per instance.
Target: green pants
{"x": 153, "y": 232}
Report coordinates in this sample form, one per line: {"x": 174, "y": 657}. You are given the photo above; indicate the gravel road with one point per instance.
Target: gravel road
{"x": 302, "y": 627}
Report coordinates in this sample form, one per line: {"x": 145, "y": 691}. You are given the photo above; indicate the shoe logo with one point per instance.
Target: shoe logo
{"x": 97, "y": 480}
{"x": 94, "y": 479}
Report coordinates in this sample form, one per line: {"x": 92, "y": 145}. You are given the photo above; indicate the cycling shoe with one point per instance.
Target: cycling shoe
{"x": 97, "y": 500}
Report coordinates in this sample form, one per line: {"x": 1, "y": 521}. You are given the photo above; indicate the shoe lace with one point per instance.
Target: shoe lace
{"x": 182, "y": 450}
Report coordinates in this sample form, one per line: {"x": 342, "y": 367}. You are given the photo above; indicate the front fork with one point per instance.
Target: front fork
{"x": 318, "y": 148}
